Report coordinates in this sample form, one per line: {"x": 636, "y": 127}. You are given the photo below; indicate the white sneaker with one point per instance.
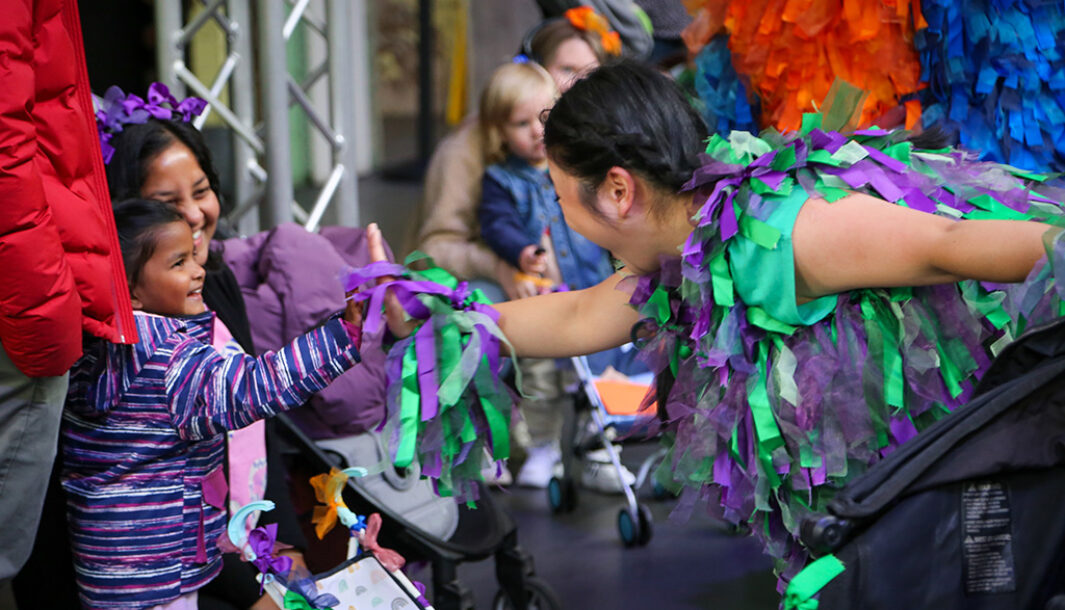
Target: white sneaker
{"x": 599, "y": 474}
{"x": 540, "y": 465}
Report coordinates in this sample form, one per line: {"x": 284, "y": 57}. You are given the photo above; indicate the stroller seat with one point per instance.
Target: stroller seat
{"x": 486, "y": 531}
{"x": 405, "y": 493}
{"x": 967, "y": 515}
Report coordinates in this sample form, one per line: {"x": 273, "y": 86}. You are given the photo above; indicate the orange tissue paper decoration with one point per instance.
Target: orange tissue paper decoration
{"x": 791, "y": 51}
{"x": 326, "y": 490}
{"x": 585, "y": 18}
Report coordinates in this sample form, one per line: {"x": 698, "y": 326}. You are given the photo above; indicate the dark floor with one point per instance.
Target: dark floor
{"x": 685, "y": 565}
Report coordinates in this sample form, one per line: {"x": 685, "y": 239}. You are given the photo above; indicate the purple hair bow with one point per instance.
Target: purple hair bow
{"x": 187, "y": 108}
{"x": 119, "y": 109}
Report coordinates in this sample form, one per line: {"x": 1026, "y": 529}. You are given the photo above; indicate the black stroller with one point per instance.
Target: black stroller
{"x": 968, "y": 515}
{"x": 481, "y": 533}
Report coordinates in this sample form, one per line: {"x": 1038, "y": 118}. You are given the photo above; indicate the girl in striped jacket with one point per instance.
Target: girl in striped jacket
{"x": 144, "y": 428}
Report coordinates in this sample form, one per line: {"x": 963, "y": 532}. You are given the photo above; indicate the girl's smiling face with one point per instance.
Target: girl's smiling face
{"x": 171, "y": 281}
{"x": 174, "y": 176}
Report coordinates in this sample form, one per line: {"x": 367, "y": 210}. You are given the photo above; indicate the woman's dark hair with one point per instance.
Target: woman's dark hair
{"x": 138, "y": 222}
{"x": 933, "y": 137}
{"x": 137, "y": 145}
{"x": 625, "y": 115}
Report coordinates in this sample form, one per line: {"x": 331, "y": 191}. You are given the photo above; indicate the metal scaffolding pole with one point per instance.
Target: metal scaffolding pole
{"x": 342, "y": 109}
{"x": 168, "y": 53}
{"x": 273, "y": 91}
{"x": 267, "y": 159}
{"x": 242, "y": 95}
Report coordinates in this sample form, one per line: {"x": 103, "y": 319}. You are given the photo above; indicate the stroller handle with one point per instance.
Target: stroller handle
{"x": 345, "y": 515}
{"x": 235, "y": 530}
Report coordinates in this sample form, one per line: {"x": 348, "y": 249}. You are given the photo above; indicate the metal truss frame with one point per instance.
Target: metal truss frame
{"x": 262, "y": 151}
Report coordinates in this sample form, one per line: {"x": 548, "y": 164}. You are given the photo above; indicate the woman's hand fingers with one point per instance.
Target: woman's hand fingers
{"x": 375, "y": 244}
{"x": 394, "y": 314}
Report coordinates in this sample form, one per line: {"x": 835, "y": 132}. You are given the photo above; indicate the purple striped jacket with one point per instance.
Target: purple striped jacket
{"x": 143, "y": 442}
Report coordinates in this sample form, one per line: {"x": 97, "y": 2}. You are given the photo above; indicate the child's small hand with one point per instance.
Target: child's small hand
{"x": 353, "y": 310}
{"x": 353, "y": 319}
{"x": 533, "y": 260}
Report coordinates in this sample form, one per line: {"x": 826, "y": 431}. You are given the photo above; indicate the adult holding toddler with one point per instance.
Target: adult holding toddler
{"x": 567, "y": 48}
{"x": 162, "y": 157}
{"x": 522, "y": 223}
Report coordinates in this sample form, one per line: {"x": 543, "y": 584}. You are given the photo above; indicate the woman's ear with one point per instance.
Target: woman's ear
{"x": 618, "y": 191}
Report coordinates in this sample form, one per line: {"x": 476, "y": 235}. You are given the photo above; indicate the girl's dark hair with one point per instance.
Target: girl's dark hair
{"x": 626, "y": 115}
{"x": 138, "y": 222}
{"x": 137, "y": 145}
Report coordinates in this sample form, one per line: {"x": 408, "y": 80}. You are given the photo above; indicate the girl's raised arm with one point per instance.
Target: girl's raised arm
{"x": 549, "y": 326}
{"x": 865, "y": 242}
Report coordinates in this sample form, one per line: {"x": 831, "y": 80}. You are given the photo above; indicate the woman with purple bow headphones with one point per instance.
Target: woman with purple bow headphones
{"x": 146, "y": 429}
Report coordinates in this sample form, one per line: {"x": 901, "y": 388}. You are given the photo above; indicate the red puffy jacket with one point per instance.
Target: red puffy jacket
{"x": 60, "y": 264}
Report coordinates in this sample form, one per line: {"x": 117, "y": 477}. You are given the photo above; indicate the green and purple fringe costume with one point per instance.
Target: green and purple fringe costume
{"x": 446, "y": 405}
{"x": 767, "y": 417}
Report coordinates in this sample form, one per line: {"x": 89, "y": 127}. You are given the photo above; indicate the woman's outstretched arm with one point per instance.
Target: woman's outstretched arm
{"x": 566, "y": 324}
{"x": 865, "y": 242}
{"x": 549, "y": 326}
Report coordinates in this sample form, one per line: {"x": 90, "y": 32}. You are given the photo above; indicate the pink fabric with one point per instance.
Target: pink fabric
{"x": 187, "y": 601}
{"x": 213, "y": 488}
{"x": 246, "y": 448}
{"x": 354, "y": 333}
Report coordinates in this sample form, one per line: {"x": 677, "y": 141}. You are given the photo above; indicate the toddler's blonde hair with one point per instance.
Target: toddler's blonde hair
{"x": 506, "y": 88}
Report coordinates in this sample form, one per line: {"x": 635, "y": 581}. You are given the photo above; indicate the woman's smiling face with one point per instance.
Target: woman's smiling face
{"x": 174, "y": 176}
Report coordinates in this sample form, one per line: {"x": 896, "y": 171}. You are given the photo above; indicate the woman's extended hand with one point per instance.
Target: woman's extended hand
{"x": 394, "y": 315}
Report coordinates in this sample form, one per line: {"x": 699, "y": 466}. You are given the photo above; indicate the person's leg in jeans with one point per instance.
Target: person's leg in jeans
{"x": 542, "y": 410}
{"x": 30, "y": 409}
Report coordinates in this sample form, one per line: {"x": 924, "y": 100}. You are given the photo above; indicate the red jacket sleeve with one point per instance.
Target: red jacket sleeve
{"x": 40, "y": 310}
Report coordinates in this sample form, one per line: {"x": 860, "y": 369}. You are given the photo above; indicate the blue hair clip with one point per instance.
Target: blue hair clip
{"x": 521, "y": 58}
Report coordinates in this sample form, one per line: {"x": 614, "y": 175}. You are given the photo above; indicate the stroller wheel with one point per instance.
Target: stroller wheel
{"x": 646, "y": 524}
{"x": 635, "y": 529}
{"x": 538, "y": 596}
{"x": 562, "y": 494}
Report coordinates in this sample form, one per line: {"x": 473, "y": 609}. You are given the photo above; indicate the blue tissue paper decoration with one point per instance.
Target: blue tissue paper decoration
{"x": 996, "y": 78}
{"x": 724, "y": 96}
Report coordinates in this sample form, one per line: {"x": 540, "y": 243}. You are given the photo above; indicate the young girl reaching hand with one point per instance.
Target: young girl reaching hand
{"x": 144, "y": 426}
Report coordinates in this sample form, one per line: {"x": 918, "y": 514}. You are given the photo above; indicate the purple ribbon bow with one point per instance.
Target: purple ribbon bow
{"x": 261, "y": 540}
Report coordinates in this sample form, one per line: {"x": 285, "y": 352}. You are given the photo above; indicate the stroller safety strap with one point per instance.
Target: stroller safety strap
{"x": 809, "y": 582}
